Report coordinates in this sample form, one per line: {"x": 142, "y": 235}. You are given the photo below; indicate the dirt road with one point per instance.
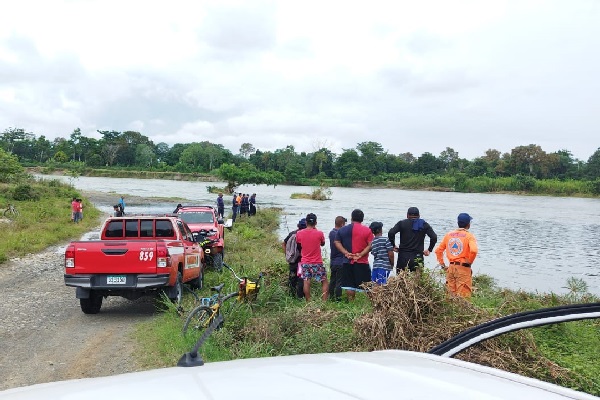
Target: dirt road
{"x": 45, "y": 337}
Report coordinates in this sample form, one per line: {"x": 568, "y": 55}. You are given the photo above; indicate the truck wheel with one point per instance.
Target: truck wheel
{"x": 92, "y": 304}
{"x": 176, "y": 294}
{"x": 218, "y": 262}
{"x": 201, "y": 279}
{"x": 198, "y": 283}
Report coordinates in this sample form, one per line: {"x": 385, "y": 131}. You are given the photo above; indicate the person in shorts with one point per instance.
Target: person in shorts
{"x": 311, "y": 240}
{"x": 383, "y": 254}
{"x": 354, "y": 241}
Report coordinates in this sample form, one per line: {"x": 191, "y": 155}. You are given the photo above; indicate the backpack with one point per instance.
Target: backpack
{"x": 292, "y": 253}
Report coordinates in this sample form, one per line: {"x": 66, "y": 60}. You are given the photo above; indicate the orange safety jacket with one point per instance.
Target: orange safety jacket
{"x": 460, "y": 246}
{"x": 238, "y": 200}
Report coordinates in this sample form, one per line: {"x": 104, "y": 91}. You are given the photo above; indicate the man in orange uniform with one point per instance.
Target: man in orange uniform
{"x": 461, "y": 249}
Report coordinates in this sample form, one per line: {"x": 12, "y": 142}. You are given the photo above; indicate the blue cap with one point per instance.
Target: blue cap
{"x": 464, "y": 218}
{"x": 302, "y": 223}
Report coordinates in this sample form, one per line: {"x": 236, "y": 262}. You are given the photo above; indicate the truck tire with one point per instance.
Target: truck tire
{"x": 218, "y": 262}
{"x": 92, "y": 304}
{"x": 176, "y": 293}
{"x": 198, "y": 283}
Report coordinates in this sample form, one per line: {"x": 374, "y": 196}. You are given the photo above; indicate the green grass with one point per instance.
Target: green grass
{"x": 44, "y": 220}
{"x": 576, "y": 346}
{"x": 276, "y": 324}
{"x": 573, "y": 345}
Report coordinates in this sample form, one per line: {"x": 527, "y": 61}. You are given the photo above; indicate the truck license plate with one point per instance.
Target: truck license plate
{"x": 116, "y": 280}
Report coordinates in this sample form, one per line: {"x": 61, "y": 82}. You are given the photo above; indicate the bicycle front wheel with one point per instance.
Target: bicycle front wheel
{"x": 199, "y": 319}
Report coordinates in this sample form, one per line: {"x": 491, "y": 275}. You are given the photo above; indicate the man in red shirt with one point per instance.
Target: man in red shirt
{"x": 74, "y": 210}
{"x": 311, "y": 240}
{"x": 354, "y": 241}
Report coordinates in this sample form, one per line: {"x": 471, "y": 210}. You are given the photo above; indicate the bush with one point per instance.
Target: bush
{"x": 25, "y": 192}
{"x": 10, "y": 169}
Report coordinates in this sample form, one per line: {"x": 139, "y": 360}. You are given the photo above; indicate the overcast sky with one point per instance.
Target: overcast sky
{"x": 415, "y": 76}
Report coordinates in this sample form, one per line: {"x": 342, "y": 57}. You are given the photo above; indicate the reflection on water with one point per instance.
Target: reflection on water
{"x": 525, "y": 242}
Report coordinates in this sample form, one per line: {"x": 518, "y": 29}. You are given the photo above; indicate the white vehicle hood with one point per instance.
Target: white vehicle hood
{"x": 390, "y": 374}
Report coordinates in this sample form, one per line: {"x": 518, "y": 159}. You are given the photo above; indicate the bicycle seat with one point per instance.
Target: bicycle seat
{"x": 217, "y": 288}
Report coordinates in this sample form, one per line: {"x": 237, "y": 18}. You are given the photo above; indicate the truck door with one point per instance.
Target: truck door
{"x": 192, "y": 252}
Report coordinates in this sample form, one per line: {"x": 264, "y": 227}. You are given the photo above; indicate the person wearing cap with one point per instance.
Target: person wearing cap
{"x": 411, "y": 248}
{"x": 335, "y": 262}
{"x": 383, "y": 254}
{"x": 460, "y": 247}
{"x": 354, "y": 241}
{"x": 311, "y": 240}
{"x": 294, "y": 283}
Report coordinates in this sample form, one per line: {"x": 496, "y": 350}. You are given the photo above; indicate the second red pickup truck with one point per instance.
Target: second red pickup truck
{"x": 135, "y": 256}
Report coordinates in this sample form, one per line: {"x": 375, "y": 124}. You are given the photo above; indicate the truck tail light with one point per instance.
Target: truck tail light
{"x": 70, "y": 257}
{"x": 162, "y": 256}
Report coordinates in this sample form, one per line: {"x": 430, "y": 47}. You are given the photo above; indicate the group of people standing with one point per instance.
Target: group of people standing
{"x": 76, "y": 210}
{"x": 242, "y": 203}
{"x": 119, "y": 208}
{"x": 351, "y": 244}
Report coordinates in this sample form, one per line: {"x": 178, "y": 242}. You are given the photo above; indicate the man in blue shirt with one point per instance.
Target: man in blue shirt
{"x": 220, "y": 206}
{"x": 336, "y": 262}
{"x": 122, "y": 204}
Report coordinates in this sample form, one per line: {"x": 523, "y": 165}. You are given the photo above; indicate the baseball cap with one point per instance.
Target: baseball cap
{"x": 311, "y": 218}
{"x": 302, "y": 223}
{"x": 413, "y": 211}
{"x": 464, "y": 218}
{"x": 375, "y": 226}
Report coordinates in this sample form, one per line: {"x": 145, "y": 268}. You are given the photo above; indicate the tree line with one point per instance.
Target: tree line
{"x": 367, "y": 161}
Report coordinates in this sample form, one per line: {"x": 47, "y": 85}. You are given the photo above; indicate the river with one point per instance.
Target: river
{"x": 532, "y": 243}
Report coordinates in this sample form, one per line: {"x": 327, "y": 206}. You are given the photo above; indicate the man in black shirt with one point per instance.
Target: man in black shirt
{"x": 412, "y": 240}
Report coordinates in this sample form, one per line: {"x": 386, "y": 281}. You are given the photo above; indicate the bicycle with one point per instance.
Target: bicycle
{"x": 209, "y": 309}
{"x": 11, "y": 212}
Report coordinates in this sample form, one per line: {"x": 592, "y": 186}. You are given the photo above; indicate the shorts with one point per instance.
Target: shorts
{"x": 354, "y": 275}
{"x": 380, "y": 275}
{"x": 315, "y": 271}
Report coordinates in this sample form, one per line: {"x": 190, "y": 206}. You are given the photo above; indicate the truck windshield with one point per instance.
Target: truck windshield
{"x": 197, "y": 217}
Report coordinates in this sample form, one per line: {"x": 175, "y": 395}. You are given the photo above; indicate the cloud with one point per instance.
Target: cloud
{"x": 414, "y": 76}
{"x": 239, "y": 28}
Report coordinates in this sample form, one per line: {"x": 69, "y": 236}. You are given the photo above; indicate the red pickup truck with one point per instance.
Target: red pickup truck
{"x": 135, "y": 256}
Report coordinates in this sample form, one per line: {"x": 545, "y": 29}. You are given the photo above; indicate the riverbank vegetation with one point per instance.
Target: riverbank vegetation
{"x": 319, "y": 193}
{"x": 525, "y": 169}
{"x": 412, "y": 312}
{"x": 44, "y": 211}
